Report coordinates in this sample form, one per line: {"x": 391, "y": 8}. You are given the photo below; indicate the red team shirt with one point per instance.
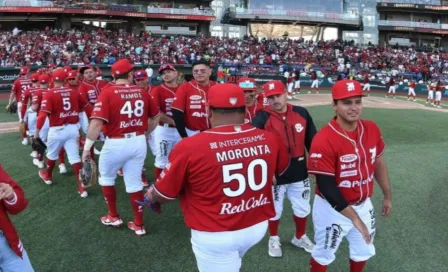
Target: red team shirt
{"x": 333, "y": 154}
{"x": 19, "y": 87}
{"x": 31, "y": 94}
{"x": 63, "y": 106}
{"x": 252, "y": 111}
{"x": 164, "y": 96}
{"x": 90, "y": 91}
{"x": 190, "y": 99}
{"x": 125, "y": 109}
{"x": 39, "y": 96}
{"x": 208, "y": 172}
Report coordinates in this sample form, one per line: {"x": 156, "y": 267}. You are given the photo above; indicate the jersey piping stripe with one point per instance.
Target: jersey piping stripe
{"x": 384, "y": 149}
{"x": 228, "y": 133}
{"x": 321, "y": 173}
{"x": 163, "y": 195}
{"x": 97, "y": 117}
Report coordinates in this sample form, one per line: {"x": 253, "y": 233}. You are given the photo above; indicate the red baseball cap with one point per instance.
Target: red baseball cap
{"x": 52, "y": 65}
{"x": 273, "y": 87}
{"x": 140, "y": 75}
{"x": 24, "y": 71}
{"x": 71, "y": 75}
{"x": 166, "y": 67}
{"x": 226, "y": 95}
{"x": 67, "y": 68}
{"x": 59, "y": 75}
{"x": 247, "y": 84}
{"x": 43, "y": 79}
{"x": 35, "y": 77}
{"x": 121, "y": 67}
{"x": 345, "y": 89}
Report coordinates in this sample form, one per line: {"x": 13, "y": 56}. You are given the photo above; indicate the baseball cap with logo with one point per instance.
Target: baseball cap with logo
{"x": 67, "y": 68}
{"x": 226, "y": 96}
{"x": 274, "y": 87}
{"x": 166, "y": 67}
{"x": 140, "y": 75}
{"x": 43, "y": 79}
{"x": 247, "y": 84}
{"x": 24, "y": 71}
{"x": 121, "y": 67}
{"x": 35, "y": 77}
{"x": 59, "y": 75}
{"x": 71, "y": 75}
{"x": 345, "y": 89}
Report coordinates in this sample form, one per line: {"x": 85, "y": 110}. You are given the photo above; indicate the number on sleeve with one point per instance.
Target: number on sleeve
{"x": 242, "y": 183}
{"x": 66, "y": 103}
{"x": 373, "y": 154}
{"x": 137, "y": 111}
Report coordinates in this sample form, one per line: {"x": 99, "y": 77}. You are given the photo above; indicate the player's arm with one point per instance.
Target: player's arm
{"x": 178, "y": 110}
{"x": 45, "y": 110}
{"x": 310, "y": 131}
{"x": 260, "y": 119}
{"x": 382, "y": 177}
{"x": 11, "y": 194}
{"x": 153, "y": 114}
{"x": 24, "y": 104}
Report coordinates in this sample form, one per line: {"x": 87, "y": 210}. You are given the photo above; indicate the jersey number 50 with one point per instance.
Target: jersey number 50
{"x": 137, "y": 110}
{"x": 242, "y": 183}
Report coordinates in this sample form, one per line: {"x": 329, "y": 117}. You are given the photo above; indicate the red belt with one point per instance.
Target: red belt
{"x": 127, "y": 135}
{"x": 166, "y": 125}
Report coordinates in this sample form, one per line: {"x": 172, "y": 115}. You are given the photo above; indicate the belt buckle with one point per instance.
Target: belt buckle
{"x": 130, "y": 135}
{"x": 166, "y": 125}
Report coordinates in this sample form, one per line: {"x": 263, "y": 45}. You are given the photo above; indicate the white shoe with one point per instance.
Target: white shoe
{"x": 304, "y": 243}
{"x": 62, "y": 169}
{"x": 34, "y": 154}
{"x": 289, "y": 97}
{"x": 395, "y": 97}
{"x": 38, "y": 163}
{"x": 25, "y": 141}
{"x": 415, "y": 100}
{"x": 275, "y": 248}
{"x": 309, "y": 91}
{"x": 408, "y": 99}
{"x": 96, "y": 151}
{"x": 426, "y": 102}
{"x": 84, "y": 194}
{"x": 439, "y": 107}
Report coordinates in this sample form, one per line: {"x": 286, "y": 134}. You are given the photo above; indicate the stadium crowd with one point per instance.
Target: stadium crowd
{"x": 80, "y": 47}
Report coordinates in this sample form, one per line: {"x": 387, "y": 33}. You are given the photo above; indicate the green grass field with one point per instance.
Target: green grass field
{"x": 62, "y": 232}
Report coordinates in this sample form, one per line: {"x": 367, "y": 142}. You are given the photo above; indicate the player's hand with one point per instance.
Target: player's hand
{"x": 274, "y": 181}
{"x": 7, "y": 107}
{"x": 6, "y": 191}
{"x": 363, "y": 229}
{"x": 86, "y": 155}
{"x": 387, "y": 207}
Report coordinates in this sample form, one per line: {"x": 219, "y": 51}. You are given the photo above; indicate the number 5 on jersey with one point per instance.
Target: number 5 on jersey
{"x": 241, "y": 178}
{"x": 137, "y": 110}
{"x": 66, "y": 103}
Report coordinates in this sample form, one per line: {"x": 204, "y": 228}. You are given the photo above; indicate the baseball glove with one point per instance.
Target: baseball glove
{"x": 88, "y": 173}
{"x": 22, "y": 128}
{"x": 12, "y": 108}
{"x": 39, "y": 145}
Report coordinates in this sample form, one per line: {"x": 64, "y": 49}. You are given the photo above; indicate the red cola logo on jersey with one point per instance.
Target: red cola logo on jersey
{"x": 131, "y": 123}
{"x": 68, "y": 114}
{"x": 228, "y": 208}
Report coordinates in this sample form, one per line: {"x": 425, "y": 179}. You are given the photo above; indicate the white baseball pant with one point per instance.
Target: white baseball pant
{"x": 44, "y": 130}
{"x": 438, "y": 96}
{"x": 315, "y": 84}
{"x": 165, "y": 138}
{"x": 83, "y": 122}
{"x": 411, "y": 92}
{"x": 223, "y": 251}
{"x": 298, "y": 194}
{"x": 391, "y": 90}
{"x": 128, "y": 153}
{"x": 67, "y": 137}
{"x": 430, "y": 95}
{"x": 366, "y": 87}
{"x": 191, "y": 132}
{"x": 19, "y": 109}
{"x": 290, "y": 86}
{"x": 297, "y": 84}
{"x": 152, "y": 142}
{"x": 330, "y": 227}
{"x": 32, "y": 122}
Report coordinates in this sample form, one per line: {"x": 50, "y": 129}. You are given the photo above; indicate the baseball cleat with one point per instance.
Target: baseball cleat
{"x": 303, "y": 242}
{"x": 25, "y": 141}
{"x": 44, "y": 176}
{"x": 139, "y": 230}
{"x": 62, "y": 169}
{"x": 113, "y": 221}
{"x": 33, "y": 154}
{"x": 275, "y": 248}
{"x": 38, "y": 163}
{"x": 83, "y": 194}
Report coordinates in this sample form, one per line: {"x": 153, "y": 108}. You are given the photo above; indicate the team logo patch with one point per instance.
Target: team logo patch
{"x": 345, "y": 184}
{"x": 233, "y": 100}
{"x": 316, "y": 155}
{"x": 298, "y": 128}
{"x": 195, "y": 97}
{"x": 348, "y": 158}
{"x": 348, "y": 166}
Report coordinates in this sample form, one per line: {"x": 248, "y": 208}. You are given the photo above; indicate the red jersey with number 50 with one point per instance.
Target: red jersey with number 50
{"x": 223, "y": 177}
{"x": 19, "y": 87}
{"x": 63, "y": 106}
{"x": 125, "y": 109}
{"x": 349, "y": 157}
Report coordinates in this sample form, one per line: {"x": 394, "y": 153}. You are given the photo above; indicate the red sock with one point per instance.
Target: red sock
{"x": 357, "y": 266}
{"x": 110, "y": 195}
{"x": 61, "y": 157}
{"x": 76, "y": 168}
{"x": 50, "y": 167}
{"x": 273, "y": 227}
{"x": 157, "y": 172}
{"x": 40, "y": 157}
{"x": 26, "y": 129}
{"x": 316, "y": 267}
{"x": 300, "y": 226}
{"x": 137, "y": 209}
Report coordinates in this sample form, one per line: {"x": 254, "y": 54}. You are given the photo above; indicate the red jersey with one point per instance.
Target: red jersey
{"x": 366, "y": 80}
{"x": 90, "y": 91}
{"x": 73, "y": 87}
{"x": 190, "y": 99}
{"x": 350, "y": 157}
{"x": 439, "y": 88}
{"x": 19, "y": 87}
{"x": 163, "y": 96}
{"x": 63, "y": 106}
{"x": 262, "y": 99}
{"x": 251, "y": 111}
{"x": 125, "y": 109}
{"x": 223, "y": 177}
{"x": 412, "y": 85}
{"x": 30, "y": 94}
{"x": 39, "y": 95}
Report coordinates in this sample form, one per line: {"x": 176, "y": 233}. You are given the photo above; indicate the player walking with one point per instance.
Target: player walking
{"x": 29, "y": 115}
{"x": 122, "y": 111}
{"x": 188, "y": 107}
{"x": 62, "y": 106}
{"x": 20, "y": 85}
{"x": 294, "y": 125}
{"x": 223, "y": 180}
{"x": 411, "y": 91}
{"x": 297, "y": 82}
{"x": 253, "y": 106}
{"x": 314, "y": 82}
{"x": 391, "y": 87}
{"x": 166, "y": 135}
{"x": 366, "y": 81}
{"x": 438, "y": 95}
{"x": 431, "y": 88}
{"x": 346, "y": 155}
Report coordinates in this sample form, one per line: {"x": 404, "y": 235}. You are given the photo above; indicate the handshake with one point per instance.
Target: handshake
{"x": 152, "y": 205}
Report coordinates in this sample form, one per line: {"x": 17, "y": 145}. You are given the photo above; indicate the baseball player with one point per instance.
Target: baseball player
{"x": 439, "y": 88}
{"x": 20, "y": 85}
{"x": 28, "y": 115}
{"x": 122, "y": 112}
{"x": 223, "y": 181}
{"x": 346, "y": 156}
{"x": 297, "y": 82}
{"x": 391, "y": 87}
{"x": 62, "y": 106}
{"x": 314, "y": 82}
{"x": 166, "y": 135}
{"x": 431, "y": 88}
{"x": 367, "y": 84}
{"x": 253, "y": 106}
{"x": 411, "y": 91}
{"x": 188, "y": 107}
{"x": 294, "y": 125}
{"x": 290, "y": 84}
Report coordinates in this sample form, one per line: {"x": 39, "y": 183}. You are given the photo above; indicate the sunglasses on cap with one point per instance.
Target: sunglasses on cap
{"x": 247, "y": 85}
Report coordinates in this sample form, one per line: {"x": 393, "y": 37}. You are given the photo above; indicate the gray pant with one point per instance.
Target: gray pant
{"x": 10, "y": 261}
